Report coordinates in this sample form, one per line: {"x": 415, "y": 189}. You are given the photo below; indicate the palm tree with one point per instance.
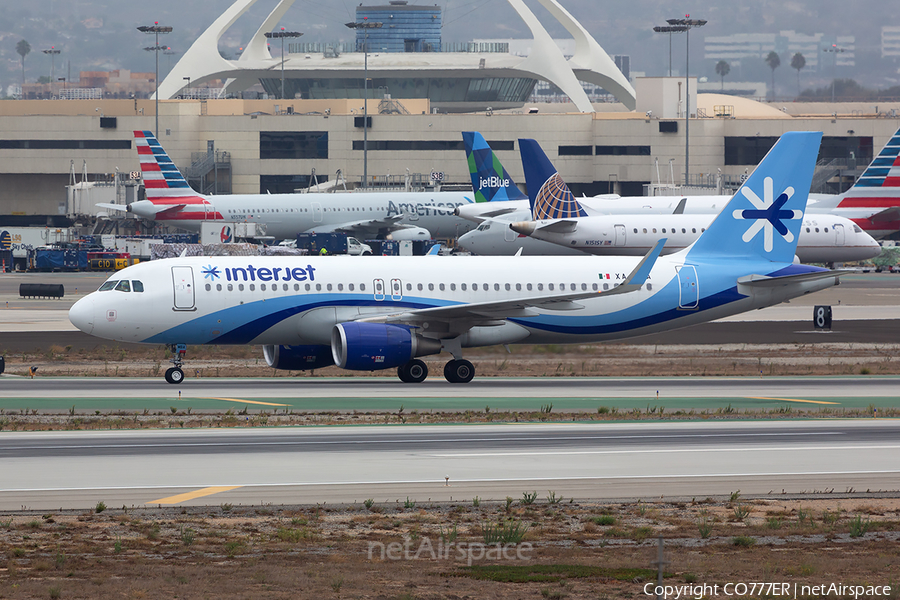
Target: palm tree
{"x": 774, "y": 61}
{"x": 723, "y": 69}
{"x": 798, "y": 62}
{"x": 22, "y": 49}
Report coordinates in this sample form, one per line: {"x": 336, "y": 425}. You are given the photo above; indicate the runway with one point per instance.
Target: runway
{"x": 85, "y": 395}
{"x": 54, "y": 470}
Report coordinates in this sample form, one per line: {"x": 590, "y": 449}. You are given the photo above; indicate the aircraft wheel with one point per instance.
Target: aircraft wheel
{"x": 403, "y": 374}
{"x": 416, "y": 371}
{"x": 459, "y": 371}
{"x": 174, "y": 375}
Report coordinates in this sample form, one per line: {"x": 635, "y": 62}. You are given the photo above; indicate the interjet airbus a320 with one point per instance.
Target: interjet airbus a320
{"x": 385, "y": 312}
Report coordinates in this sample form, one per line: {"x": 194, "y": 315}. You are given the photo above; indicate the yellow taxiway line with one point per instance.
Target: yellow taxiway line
{"x": 794, "y": 400}
{"x": 248, "y": 401}
{"x": 195, "y": 494}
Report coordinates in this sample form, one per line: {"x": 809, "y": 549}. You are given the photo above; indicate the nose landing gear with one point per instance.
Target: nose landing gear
{"x": 174, "y": 374}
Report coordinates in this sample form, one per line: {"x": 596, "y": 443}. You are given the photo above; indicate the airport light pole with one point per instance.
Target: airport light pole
{"x": 688, "y": 23}
{"x": 52, "y": 51}
{"x": 282, "y": 34}
{"x": 670, "y": 29}
{"x": 834, "y": 50}
{"x": 156, "y": 29}
{"x": 365, "y": 25}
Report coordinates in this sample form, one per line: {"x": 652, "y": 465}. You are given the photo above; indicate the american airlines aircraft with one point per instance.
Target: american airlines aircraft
{"x": 413, "y": 215}
{"x": 386, "y": 312}
{"x": 823, "y": 238}
{"x": 872, "y": 203}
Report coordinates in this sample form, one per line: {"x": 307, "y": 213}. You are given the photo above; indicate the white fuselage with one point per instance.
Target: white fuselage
{"x": 363, "y": 214}
{"x": 299, "y": 300}
{"x": 823, "y": 238}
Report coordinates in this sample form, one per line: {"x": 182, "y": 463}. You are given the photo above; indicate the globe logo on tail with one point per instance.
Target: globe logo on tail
{"x": 555, "y": 201}
{"x": 768, "y": 214}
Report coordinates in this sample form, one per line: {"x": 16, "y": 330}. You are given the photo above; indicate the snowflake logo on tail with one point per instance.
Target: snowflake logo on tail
{"x": 768, "y": 214}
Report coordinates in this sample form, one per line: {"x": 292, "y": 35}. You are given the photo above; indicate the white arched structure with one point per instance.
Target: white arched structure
{"x": 202, "y": 62}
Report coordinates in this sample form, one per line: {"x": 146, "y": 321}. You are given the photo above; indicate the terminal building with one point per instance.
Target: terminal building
{"x": 633, "y": 146}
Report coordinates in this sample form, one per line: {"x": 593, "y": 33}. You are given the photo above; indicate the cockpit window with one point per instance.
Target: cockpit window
{"x": 856, "y": 229}
{"x": 484, "y": 227}
{"x": 108, "y": 286}
{"x": 123, "y": 286}
{"x": 137, "y": 286}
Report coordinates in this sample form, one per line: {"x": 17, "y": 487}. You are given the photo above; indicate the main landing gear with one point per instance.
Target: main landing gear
{"x": 174, "y": 374}
{"x": 455, "y": 371}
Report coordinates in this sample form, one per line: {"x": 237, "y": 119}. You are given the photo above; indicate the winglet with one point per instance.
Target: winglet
{"x": 679, "y": 210}
{"x": 640, "y": 273}
{"x": 490, "y": 180}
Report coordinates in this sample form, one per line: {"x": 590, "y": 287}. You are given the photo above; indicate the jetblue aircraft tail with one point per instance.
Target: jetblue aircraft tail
{"x": 548, "y": 194}
{"x": 490, "y": 181}
{"x": 763, "y": 219}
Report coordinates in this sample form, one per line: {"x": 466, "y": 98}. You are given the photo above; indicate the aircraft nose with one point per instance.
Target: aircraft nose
{"x": 81, "y": 315}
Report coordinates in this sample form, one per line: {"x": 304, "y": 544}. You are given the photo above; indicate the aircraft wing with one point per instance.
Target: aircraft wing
{"x": 468, "y": 315}
{"x": 366, "y": 228}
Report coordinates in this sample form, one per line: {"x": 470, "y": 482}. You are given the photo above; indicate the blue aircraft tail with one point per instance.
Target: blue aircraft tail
{"x": 490, "y": 181}
{"x": 548, "y": 194}
{"x": 764, "y": 217}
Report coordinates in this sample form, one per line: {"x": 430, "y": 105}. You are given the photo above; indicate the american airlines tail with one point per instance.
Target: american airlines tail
{"x": 490, "y": 181}
{"x": 164, "y": 184}
{"x": 548, "y": 194}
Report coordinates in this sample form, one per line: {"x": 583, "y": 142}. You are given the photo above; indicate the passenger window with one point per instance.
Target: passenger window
{"x": 208, "y": 287}
{"x": 297, "y": 287}
{"x": 683, "y": 230}
{"x": 362, "y": 287}
{"x": 252, "y": 287}
{"x": 419, "y": 287}
{"x": 307, "y": 287}
{"x": 702, "y": 229}
{"x": 594, "y": 287}
{"x": 240, "y": 287}
{"x": 807, "y": 230}
{"x": 340, "y": 287}
{"x": 453, "y": 287}
{"x": 649, "y": 287}
{"x": 442, "y": 287}
{"x": 635, "y": 229}
{"x": 431, "y": 287}
{"x": 408, "y": 287}
{"x": 540, "y": 287}
{"x": 350, "y": 287}
{"x": 654, "y": 230}
{"x": 218, "y": 287}
{"x": 817, "y": 230}
{"x": 137, "y": 286}
{"x": 262, "y": 287}
{"x": 664, "y": 230}
{"x": 645, "y": 230}
{"x": 572, "y": 286}
{"x": 826, "y": 230}
{"x": 693, "y": 230}
{"x": 318, "y": 287}
{"x": 528, "y": 286}
{"x": 462, "y": 286}
{"x": 230, "y": 288}
{"x": 123, "y": 286}
{"x": 328, "y": 287}
{"x": 108, "y": 286}
{"x": 605, "y": 286}
{"x": 507, "y": 287}
{"x": 583, "y": 287}
{"x": 549, "y": 286}
{"x": 518, "y": 287}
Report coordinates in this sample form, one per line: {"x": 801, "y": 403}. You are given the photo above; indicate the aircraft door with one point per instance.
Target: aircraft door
{"x": 620, "y": 235}
{"x": 183, "y": 283}
{"x": 839, "y": 234}
{"x": 378, "y": 285}
{"x": 317, "y": 212}
{"x": 688, "y": 287}
{"x": 396, "y": 289}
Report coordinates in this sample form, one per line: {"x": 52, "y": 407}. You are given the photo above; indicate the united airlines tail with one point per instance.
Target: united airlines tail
{"x": 763, "y": 219}
{"x": 548, "y": 194}
{"x": 490, "y": 181}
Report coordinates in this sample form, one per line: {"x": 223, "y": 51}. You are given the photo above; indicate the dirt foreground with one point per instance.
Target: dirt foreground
{"x": 527, "y": 547}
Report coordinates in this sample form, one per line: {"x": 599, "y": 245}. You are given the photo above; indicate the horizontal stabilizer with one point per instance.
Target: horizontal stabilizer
{"x": 766, "y": 281}
{"x": 116, "y": 207}
{"x": 888, "y": 214}
{"x": 679, "y": 210}
{"x": 563, "y": 226}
